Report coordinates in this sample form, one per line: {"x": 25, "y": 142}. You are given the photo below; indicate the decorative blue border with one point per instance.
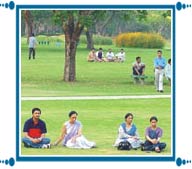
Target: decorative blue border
{"x": 92, "y": 158}
{"x": 10, "y": 5}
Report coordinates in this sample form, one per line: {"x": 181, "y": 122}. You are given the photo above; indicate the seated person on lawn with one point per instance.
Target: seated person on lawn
{"x": 121, "y": 56}
{"x": 128, "y": 132}
{"x": 138, "y": 70}
{"x": 100, "y": 55}
{"x": 110, "y": 56}
{"x": 153, "y": 135}
{"x": 92, "y": 55}
{"x": 71, "y": 134}
{"x": 34, "y": 131}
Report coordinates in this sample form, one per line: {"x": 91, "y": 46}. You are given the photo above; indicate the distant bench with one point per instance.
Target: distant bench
{"x": 43, "y": 42}
{"x": 139, "y": 78}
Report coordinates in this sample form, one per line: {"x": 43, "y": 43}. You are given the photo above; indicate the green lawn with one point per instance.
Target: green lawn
{"x": 44, "y": 76}
{"x": 100, "y": 119}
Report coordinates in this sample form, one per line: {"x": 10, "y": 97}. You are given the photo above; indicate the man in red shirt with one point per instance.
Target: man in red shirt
{"x": 34, "y": 131}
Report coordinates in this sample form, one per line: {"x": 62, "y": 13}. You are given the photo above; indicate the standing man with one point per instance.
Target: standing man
{"x": 168, "y": 71}
{"x": 159, "y": 64}
{"x": 32, "y": 45}
{"x": 34, "y": 131}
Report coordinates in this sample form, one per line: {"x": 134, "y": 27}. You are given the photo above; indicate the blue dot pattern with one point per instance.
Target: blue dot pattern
{"x": 10, "y": 5}
{"x": 180, "y": 162}
{"x": 10, "y": 161}
{"x": 180, "y": 6}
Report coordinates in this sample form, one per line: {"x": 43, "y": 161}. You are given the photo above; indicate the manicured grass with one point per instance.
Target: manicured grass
{"x": 100, "y": 119}
{"x": 44, "y": 75}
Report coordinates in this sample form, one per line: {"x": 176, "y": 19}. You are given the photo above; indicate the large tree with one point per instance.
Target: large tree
{"x": 73, "y": 23}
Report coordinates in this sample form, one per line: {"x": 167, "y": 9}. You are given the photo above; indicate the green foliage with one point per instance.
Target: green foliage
{"x": 140, "y": 40}
{"x": 41, "y": 38}
{"x": 98, "y": 40}
{"x": 159, "y": 22}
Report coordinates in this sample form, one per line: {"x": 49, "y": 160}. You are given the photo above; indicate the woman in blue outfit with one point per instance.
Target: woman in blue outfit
{"x": 128, "y": 132}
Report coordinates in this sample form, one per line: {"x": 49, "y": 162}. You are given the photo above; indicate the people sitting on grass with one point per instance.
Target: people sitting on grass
{"x": 71, "y": 135}
{"x": 110, "y": 56}
{"x": 168, "y": 71}
{"x": 138, "y": 70}
{"x": 153, "y": 134}
{"x": 121, "y": 56}
{"x": 92, "y": 56}
{"x": 128, "y": 132}
{"x": 100, "y": 55}
{"x": 34, "y": 131}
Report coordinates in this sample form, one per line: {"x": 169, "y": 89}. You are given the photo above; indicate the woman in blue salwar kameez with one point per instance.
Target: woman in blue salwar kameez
{"x": 128, "y": 132}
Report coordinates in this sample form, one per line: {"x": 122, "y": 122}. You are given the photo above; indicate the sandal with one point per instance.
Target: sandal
{"x": 157, "y": 150}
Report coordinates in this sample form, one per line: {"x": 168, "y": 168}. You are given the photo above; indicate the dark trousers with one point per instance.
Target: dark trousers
{"x": 148, "y": 146}
{"x": 32, "y": 52}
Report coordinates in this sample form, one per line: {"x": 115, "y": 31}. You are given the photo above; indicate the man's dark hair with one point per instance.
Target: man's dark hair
{"x": 138, "y": 57}
{"x": 153, "y": 118}
{"x": 128, "y": 114}
{"x": 36, "y": 109}
{"x": 159, "y": 51}
{"x": 72, "y": 112}
{"x": 169, "y": 61}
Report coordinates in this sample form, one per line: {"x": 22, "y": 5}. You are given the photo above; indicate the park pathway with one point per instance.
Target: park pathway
{"x": 95, "y": 97}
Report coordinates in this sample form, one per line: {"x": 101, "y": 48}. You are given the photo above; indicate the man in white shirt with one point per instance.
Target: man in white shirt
{"x": 110, "y": 56}
{"x": 121, "y": 56}
{"x": 168, "y": 71}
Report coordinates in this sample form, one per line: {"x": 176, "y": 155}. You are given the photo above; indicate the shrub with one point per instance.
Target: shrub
{"x": 139, "y": 39}
{"x": 51, "y": 38}
{"x": 98, "y": 40}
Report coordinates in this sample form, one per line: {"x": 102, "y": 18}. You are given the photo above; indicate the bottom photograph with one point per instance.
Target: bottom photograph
{"x": 128, "y": 127}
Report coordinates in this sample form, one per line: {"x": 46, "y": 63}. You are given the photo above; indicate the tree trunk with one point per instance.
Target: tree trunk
{"x": 28, "y": 24}
{"x": 70, "y": 61}
{"x": 72, "y": 35}
{"x": 90, "y": 43}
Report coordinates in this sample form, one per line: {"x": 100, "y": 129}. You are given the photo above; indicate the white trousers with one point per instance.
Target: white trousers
{"x": 159, "y": 78}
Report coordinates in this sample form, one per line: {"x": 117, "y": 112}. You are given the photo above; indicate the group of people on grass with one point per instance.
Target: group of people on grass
{"x": 161, "y": 68}
{"x": 98, "y": 56}
{"x": 71, "y": 134}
